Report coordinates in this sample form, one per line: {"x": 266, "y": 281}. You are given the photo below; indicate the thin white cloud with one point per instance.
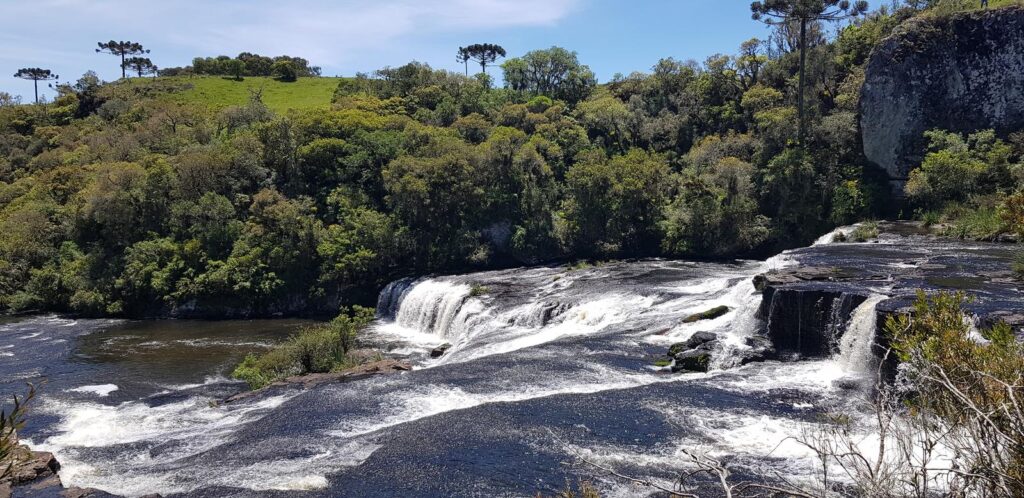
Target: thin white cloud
{"x": 328, "y": 32}
{"x": 340, "y": 35}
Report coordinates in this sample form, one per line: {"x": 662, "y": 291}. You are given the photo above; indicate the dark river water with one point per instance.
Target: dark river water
{"x": 549, "y": 368}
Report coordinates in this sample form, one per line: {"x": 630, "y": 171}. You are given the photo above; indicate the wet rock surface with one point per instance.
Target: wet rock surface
{"x": 806, "y": 307}
{"x": 34, "y": 474}
{"x": 440, "y": 350}
{"x": 546, "y": 352}
{"x": 382, "y": 367}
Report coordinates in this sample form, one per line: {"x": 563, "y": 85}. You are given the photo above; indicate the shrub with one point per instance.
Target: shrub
{"x": 1012, "y": 213}
{"x": 478, "y": 290}
{"x": 930, "y": 218}
{"x": 10, "y": 423}
{"x": 1018, "y": 266}
{"x": 983, "y": 223}
{"x": 320, "y": 349}
{"x": 967, "y": 389}
{"x": 865, "y": 231}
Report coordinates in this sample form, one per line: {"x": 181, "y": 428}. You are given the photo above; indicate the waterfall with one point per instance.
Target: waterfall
{"x": 432, "y": 306}
{"x": 391, "y": 297}
{"x": 855, "y": 355}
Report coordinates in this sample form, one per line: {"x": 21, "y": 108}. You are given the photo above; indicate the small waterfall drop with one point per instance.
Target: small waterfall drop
{"x": 855, "y": 353}
{"x": 390, "y": 297}
{"x": 830, "y": 237}
{"x": 432, "y": 306}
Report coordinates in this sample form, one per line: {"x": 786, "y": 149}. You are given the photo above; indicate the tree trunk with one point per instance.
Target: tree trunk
{"x": 124, "y": 73}
{"x": 800, "y": 91}
{"x": 483, "y": 67}
{"x": 36, "y": 83}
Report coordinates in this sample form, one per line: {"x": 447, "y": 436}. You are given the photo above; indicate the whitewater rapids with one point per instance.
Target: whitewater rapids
{"x": 534, "y": 353}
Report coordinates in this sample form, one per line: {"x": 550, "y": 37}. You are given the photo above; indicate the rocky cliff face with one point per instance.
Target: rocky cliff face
{"x": 960, "y": 73}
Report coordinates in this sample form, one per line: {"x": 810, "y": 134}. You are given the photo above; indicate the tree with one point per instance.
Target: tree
{"x": 121, "y": 49}
{"x": 36, "y": 75}
{"x": 255, "y": 64}
{"x": 140, "y": 65}
{"x": 284, "y": 71}
{"x": 463, "y": 57}
{"x": 614, "y": 206}
{"x": 483, "y": 54}
{"x": 555, "y": 72}
{"x": 750, "y": 62}
{"x": 775, "y": 12}
{"x": 234, "y": 68}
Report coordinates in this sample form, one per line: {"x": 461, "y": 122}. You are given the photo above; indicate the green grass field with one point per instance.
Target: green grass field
{"x": 217, "y": 92}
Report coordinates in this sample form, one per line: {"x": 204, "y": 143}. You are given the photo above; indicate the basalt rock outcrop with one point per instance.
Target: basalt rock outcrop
{"x": 963, "y": 72}
{"x": 34, "y": 474}
{"x": 806, "y": 308}
{"x": 380, "y": 367}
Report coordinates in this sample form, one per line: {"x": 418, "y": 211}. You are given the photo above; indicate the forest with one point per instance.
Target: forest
{"x": 115, "y": 201}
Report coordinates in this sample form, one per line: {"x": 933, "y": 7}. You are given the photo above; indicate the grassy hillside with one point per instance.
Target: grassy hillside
{"x": 217, "y": 92}
{"x": 944, "y": 7}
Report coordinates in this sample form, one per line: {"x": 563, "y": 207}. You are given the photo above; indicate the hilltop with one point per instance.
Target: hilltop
{"x": 216, "y": 92}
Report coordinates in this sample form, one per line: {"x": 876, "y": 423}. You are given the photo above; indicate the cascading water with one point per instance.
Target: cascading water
{"x": 534, "y": 351}
{"x": 432, "y": 306}
{"x": 855, "y": 349}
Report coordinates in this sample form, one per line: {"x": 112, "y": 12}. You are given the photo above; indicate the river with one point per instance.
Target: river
{"x": 550, "y": 368}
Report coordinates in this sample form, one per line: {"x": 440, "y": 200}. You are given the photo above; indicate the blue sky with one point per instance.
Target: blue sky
{"x": 349, "y": 36}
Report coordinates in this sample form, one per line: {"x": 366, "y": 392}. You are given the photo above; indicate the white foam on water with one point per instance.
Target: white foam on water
{"x": 704, "y": 287}
{"x": 140, "y": 474}
{"x": 432, "y": 306}
{"x": 194, "y": 426}
{"x": 96, "y": 425}
{"x": 299, "y": 474}
{"x": 855, "y": 347}
{"x": 422, "y": 401}
{"x": 816, "y": 377}
{"x": 830, "y": 237}
{"x": 102, "y": 390}
{"x": 210, "y": 380}
{"x": 582, "y": 319}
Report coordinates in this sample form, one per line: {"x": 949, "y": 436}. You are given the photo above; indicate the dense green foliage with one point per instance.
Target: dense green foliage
{"x": 975, "y": 183}
{"x": 142, "y": 198}
{"x": 246, "y": 64}
{"x": 966, "y": 391}
{"x": 320, "y": 349}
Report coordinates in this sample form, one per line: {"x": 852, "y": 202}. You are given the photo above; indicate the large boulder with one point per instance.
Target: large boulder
{"x": 35, "y": 471}
{"x": 696, "y": 360}
{"x": 440, "y": 350}
{"x": 696, "y": 340}
{"x": 963, "y": 72}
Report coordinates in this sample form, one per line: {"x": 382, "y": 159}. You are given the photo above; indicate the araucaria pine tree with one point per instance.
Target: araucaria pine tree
{"x": 140, "y": 65}
{"x": 805, "y": 12}
{"x": 122, "y": 49}
{"x": 36, "y": 75}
